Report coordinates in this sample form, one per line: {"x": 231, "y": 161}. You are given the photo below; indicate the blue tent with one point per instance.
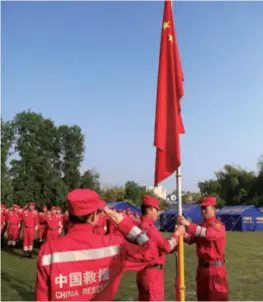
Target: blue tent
{"x": 123, "y": 205}
{"x": 190, "y": 211}
{"x": 241, "y": 218}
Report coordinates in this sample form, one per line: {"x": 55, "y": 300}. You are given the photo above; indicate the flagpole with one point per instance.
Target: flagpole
{"x": 181, "y": 239}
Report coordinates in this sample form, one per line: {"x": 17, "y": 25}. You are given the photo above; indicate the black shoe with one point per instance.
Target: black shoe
{"x": 25, "y": 254}
{"x": 29, "y": 255}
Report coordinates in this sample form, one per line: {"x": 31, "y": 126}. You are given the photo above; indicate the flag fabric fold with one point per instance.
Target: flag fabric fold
{"x": 168, "y": 119}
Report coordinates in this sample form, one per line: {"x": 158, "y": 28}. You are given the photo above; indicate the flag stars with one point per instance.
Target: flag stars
{"x": 170, "y": 38}
{"x": 166, "y": 25}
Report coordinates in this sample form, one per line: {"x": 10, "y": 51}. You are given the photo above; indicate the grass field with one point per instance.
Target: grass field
{"x": 244, "y": 256}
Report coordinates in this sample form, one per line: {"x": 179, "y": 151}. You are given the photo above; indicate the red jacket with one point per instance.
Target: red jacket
{"x": 54, "y": 222}
{"x": 83, "y": 266}
{"x": 112, "y": 228}
{"x": 30, "y": 218}
{"x": 210, "y": 239}
{"x": 13, "y": 218}
{"x": 43, "y": 217}
{"x": 163, "y": 245}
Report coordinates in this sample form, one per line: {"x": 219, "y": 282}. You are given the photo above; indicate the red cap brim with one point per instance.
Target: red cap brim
{"x": 101, "y": 204}
{"x": 206, "y": 204}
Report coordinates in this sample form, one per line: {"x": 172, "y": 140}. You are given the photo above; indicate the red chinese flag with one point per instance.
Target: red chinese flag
{"x": 168, "y": 120}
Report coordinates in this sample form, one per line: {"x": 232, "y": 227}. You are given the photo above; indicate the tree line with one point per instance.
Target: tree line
{"x": 41, "y": 162}
{"x": 236, "y": 186}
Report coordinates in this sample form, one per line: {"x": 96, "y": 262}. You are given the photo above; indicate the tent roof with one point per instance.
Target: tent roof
{"x": 235, "y": 210}
{"x": 122, "y": 205}
{"x": 261, "y": 209}
{"x": 186, "y": 208}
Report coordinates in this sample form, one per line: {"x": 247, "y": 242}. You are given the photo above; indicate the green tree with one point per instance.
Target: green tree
{"x": 233, "y": 186}
{"x": 90, "y": 179}
{"x": 7, "y": 138}
{"x": 36, "y": 173}
{"x": 133, "y": 191}
{"x": 72, "y": 153}
{"x": 113, "y": 194}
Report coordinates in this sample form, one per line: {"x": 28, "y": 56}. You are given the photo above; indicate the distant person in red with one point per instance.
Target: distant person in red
{"x": 42, "y": 230}
{"x": 210, "y": 239}
{"x": 112, "y": 227}
{"x": 129, "y": 214}
{"x": 66, "y": 222}
{"x": 30, "y": 221}
{"x": 14, "y": 221}
{"x": 139, "y": 217}
{"x": 83, "y": 266}
{"x": 60, "y": 216}
{"x": 54, "y": 226}
{"x": 101, "y": 226}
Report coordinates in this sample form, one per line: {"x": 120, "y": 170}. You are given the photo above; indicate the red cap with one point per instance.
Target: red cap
{"x": 53, "y": 208}
{"x": 151, "y": 202}
{"x": 44, "y": 207}
{"x": 31, "y": 204}
{"x": 3, "y": 205}
{"x": 208, "y": 201}
{"x": 84, "y": 201}
{"x": 58, "y": 208}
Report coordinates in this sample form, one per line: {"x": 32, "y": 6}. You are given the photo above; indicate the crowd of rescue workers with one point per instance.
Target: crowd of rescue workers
{"x": 85, "y": 250}
{"x": 47, "y": 224}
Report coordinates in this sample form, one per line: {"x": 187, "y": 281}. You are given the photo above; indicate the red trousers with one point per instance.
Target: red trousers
{"x": 52, "y": 234}
{"x": 150, "y": 284}
{"x": 42, "y": 231}
{"x": 211, "y": 283}
{"x": 28, "y": 238}
{"x": 12, "y": 232}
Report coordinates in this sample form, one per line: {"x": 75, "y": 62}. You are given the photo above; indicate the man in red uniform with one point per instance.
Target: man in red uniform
{"x": 83, "y": 266}
{"x": 42, "y": 230}
{"x": 54, "y": 226}
{"x": 14, "y": 221}
{"x": 30, "y": 221}
{"x": 210, "y": 239}
{"x": 150, "y": 281}
{"x": 21, "y": 212}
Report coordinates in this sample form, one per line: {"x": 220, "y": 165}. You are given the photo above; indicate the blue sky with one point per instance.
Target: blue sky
{"x": 95, "y": 65}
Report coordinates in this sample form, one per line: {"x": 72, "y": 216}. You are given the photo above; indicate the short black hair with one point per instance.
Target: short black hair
{"x": 79, "y": 219}
{"x": 144, "y": 209}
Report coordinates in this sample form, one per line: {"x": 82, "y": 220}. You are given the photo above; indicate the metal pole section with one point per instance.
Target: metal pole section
{"x": 181, "y": 239}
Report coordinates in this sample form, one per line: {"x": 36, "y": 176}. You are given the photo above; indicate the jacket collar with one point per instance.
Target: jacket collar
{"x": 80, "y": 227}
{"x": 148, "y": 220}
{"x": 213, "y": 218}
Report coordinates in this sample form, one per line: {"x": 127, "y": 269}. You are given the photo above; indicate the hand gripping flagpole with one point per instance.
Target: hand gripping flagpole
{"x": 180, "y": 260}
